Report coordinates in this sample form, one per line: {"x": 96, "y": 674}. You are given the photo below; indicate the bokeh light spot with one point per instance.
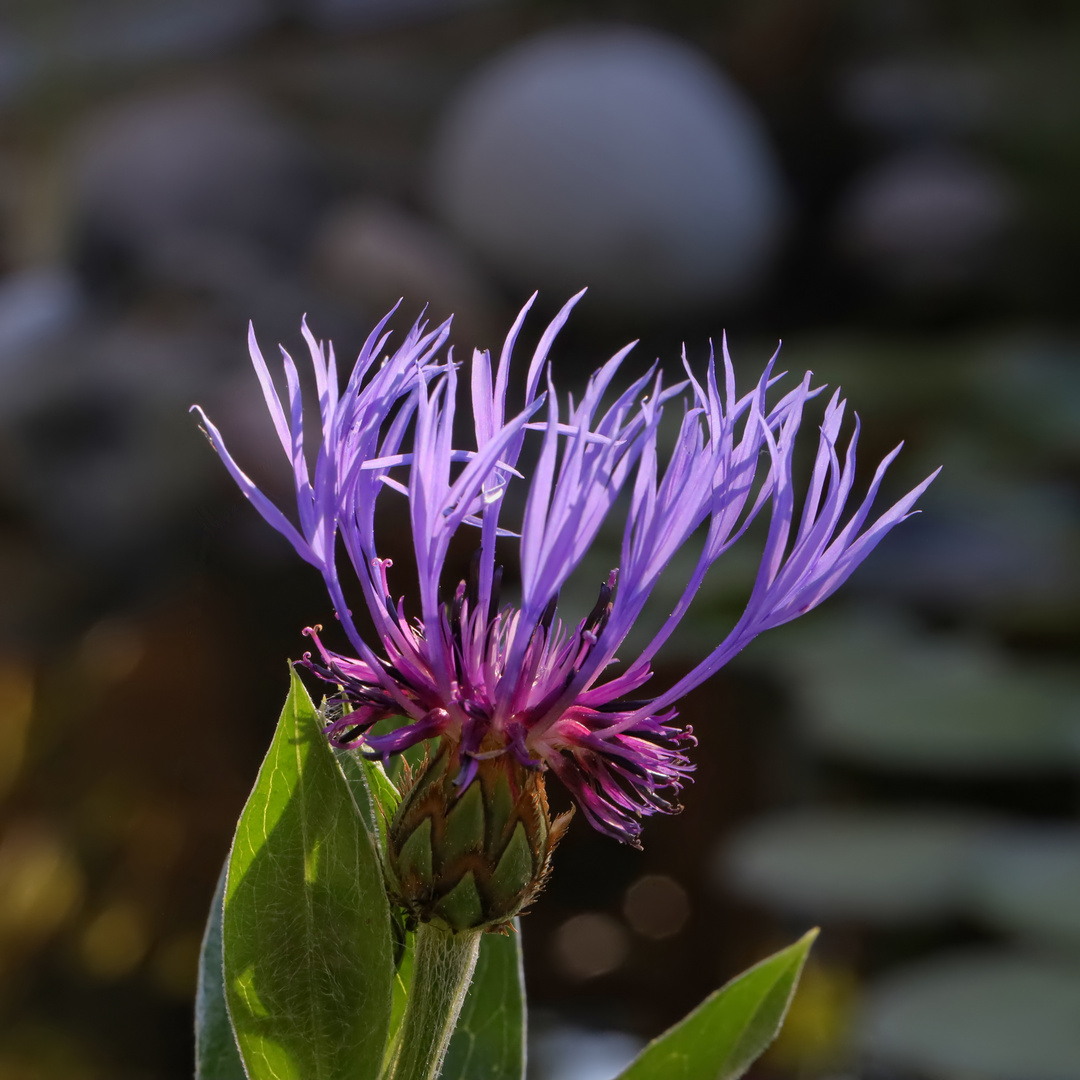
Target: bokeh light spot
{"x": 590, "y": 945}
{"x": 656, "y": 906}
{"x": 40, "y": 885}
{"x": 114, "y": 942}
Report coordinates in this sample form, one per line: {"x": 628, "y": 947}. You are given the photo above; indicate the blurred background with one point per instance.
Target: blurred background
{"x": 889, "y": 185}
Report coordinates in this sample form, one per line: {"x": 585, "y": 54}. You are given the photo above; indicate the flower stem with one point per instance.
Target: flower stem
{"x": 443, "y": 966}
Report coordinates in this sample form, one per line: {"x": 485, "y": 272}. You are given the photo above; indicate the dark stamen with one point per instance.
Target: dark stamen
{"x": 348, "y": 736}
{"x": 453, "y": 614}
{"x": 548, "y": 616}
{"x": 472, "y": 590}
{"x": 622, "y": 706}
{"x": 454, "y": 608}
{"x": 496, "y": 592}
{"x": 601, "y": 612}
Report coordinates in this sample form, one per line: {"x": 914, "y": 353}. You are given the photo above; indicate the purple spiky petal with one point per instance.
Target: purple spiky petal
{"x": 517, "y": 678}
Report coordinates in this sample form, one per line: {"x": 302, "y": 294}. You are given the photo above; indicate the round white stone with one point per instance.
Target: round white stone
{"x": 615, "y": 158}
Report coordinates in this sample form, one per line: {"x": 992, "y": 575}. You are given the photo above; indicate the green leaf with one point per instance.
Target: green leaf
{"x": 308, "y": 954}
{"x": 372, "y": 791}
{"x": 731, "y": 1028}
{"x": 216, "y": 1055}
{"x": 386, "y": 795}
{"x": 378, "y": 798}
{"x": 489, "y": 1041}
{"x": 402, "y": 982}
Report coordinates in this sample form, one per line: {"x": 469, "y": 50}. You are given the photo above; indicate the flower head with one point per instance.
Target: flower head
{"x": 515, "y": 682}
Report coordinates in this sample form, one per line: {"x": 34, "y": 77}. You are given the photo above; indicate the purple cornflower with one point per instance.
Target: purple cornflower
{"x": 517, "y": 680}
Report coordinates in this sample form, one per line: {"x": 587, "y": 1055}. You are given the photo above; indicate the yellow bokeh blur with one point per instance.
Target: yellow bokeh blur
{"x": 816, "y": 1034}
{"x": 115, "y": 941}
{"x": 41, "y": 886}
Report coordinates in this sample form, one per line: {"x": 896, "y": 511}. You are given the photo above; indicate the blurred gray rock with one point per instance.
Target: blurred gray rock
{"x": 566, "y": 1052}
{"x": 1027, "y": 882}
{"x": 986, "y": 542}
{"x": 100, "y": 451}
{"x": 373, "y": 253}
{"x": 872, "y": 866}
{"x": 1029, "y": 382}
{"x": 615, "y": 158}
{"x": 874, "y": 690}
{"x": 361, "y": 14}
{"x": 17, "y": 65}
{"x": 174, "y": 185}
{"x": 36, "y": 305}
{"x": 94, "y": 32}
{"x": 927, "y": 219}
{"x": 918, "y": 96}
{"x": 987, "y": 1013}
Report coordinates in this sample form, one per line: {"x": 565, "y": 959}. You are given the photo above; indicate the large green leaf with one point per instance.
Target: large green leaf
{"x": 372, "y": 790}
{"x": 377, "y": 798}
{"x": 731, "y": 1028}
{"x": 402, "y": 983}
{"x": 307, "y": 947}
{"x": 489, "y": 1041}
{"x": 216, "y": 1055}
